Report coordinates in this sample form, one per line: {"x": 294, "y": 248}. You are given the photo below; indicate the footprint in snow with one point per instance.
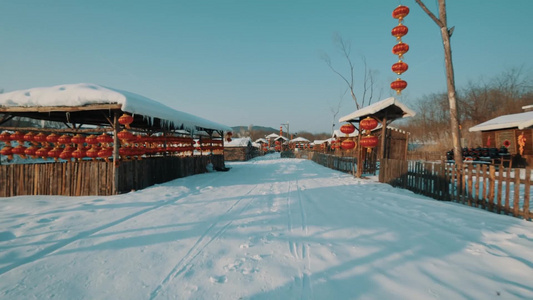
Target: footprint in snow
{"x": 218, "y": 279}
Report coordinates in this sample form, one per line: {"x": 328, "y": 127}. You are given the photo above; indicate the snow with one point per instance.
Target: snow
{"x": 87, "y": 93}
{"x": 299, "y": 139}
{"x": 238, "y": 142}
{"x": 520, "y": 120}
{"x": 376, "y": 107}
{"x": 270, "y": 228}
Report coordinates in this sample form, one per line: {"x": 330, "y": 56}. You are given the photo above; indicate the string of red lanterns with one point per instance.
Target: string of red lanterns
{"x": 399, "y": 49}
{"x": 77, "y": 147}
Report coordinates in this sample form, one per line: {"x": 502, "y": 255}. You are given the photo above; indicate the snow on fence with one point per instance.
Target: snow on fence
{"x": 500, "y": 190}
{"x": 85, "y": 178}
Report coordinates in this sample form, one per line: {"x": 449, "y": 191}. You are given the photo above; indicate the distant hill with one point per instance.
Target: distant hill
{"x": 254, "y": 128}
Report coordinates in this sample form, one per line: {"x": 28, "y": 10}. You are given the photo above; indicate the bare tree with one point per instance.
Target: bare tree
{"x": 368, "y": 81}
{"x": 446, "y": 33}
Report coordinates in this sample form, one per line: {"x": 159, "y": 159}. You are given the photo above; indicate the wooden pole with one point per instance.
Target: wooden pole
{"x": 116, "y": 159}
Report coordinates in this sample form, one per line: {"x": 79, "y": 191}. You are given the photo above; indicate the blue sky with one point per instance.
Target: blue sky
{"x": 256, "y": 61}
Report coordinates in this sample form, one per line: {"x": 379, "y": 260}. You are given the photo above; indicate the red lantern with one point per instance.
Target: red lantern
{"x": 347, "y": 144}
{"x": 400, "y": 12}
{"x": 399, "y": 31}
{"x": 78, "y": 153}
{"x": 347, "y": 128}
{"x": 40, "y": 138}
{"x": 64, "y": 139}
{"x": 55, "y": 152}
{"x": 17, "y": 136}
{"x": 399, "y": 67}
{"x": 400, "y": 49}
{"x": 91, "y": 140}
{"x": 369, "y": 141}
{"x": 125, "y": 135}
{"x": 7, "y": 151}
{"x": 52, "y": 138}
{"x": 104, "y": 138}
{"x": 125, "y": 120}
{"x": 19, "y": 150}
{"x": 398, "y": 85}
{"x": 28, "y": 137}
{"x": 5, "y": 137}
{"x": 31, "y": 151}
{"x": 78, "y": 139}
{"x": 43, "y": 152}
{"x": 92, "y": 153}
{"x": 105, "y": 152}
{"x": 368, "y": 123}
{"x": 67, "y": 153}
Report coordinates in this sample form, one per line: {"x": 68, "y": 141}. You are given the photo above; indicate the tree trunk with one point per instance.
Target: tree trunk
{"x": 454, "y": 122}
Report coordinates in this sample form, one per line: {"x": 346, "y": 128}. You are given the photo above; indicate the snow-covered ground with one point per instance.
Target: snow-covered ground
{"x": 269, "y": 228}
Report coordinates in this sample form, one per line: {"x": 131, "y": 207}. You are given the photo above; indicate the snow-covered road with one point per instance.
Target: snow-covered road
{"x": 269, "y": 228}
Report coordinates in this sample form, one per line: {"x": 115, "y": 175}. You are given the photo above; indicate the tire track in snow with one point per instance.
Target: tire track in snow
{"x": 300, "y": 250}
{"x": 184, "y": 264}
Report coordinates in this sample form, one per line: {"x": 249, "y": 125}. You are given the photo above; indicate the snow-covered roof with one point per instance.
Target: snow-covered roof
{"x": 338, "y": 133}
{"x": 391, "y": 105}
{"x": 261, "y": 140}
{"x": 83, "y": 94}
{"x": 281, "y": 138}
{"x": 300, "y": 140}
{"x": 520, "y": 120}
{"x": 238, "y": 142}
{"x": 272, "y": 136}
{"x": 319, "y": 142}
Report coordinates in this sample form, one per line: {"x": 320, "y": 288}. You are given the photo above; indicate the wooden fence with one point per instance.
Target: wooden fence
{"x": 97, "y": 177}
{"x": 499, "y": 190}
{"x": 345, "y": 164}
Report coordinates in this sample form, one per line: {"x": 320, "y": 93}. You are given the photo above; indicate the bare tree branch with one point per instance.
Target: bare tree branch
{"x": 429, "y": 13}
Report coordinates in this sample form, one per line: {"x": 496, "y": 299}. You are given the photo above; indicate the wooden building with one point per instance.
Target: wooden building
{"x": 514, "y": 131}
{"x": 240, "y": 149}
{"x": 123, "y": 141}
{"x": 387, "y": 143}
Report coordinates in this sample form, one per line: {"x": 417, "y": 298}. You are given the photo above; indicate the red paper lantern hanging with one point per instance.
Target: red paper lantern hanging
{"x": 19, "y": 150}
{"x": 399, "y": 67}
{"x": 78, "y": 154}
{"x": 400, "y": 49}
{"x": 17, "y": 136}
{"x": 52, "y": 138}
{"x": 400, "y": 12}
{"x": 369, "y": 141}
{"x": 104, "y": 138}
{"x": 125, "y": 120}
{"x": 31, "y": 151}
{"x": 347, "y": 144}
{"x": 399, "y": 31}
{"x": 7, "y": 151}
{"x": 5, "y": 137}
{"x": 64, "y": 139}
{"x": 398, "y": 85}
{"x": 347, "y": 128}
{"x": 91, "y": 140}
{"x": 40, "y": 138}
{"x": 125, "y": 135}
{"x": 368, "y": 123}
{"x": 28, "y": 137}
{"x": 78, "y": 139}
{"x": 43, "y": 152}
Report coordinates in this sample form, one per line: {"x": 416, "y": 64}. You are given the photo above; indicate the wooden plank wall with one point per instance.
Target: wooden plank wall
{"x": 96, "y": 177}
{"x": 484, "y": 186}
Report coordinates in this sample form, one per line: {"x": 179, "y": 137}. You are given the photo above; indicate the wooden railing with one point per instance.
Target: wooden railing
{"x": 500, "y": 190}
